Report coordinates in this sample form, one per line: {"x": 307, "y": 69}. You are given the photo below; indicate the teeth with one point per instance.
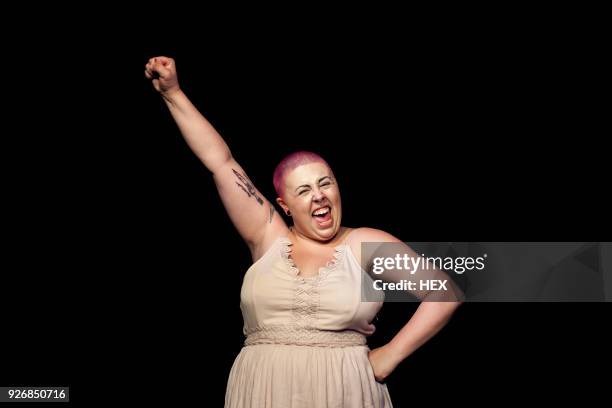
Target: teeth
{"x": 321, "y": 211}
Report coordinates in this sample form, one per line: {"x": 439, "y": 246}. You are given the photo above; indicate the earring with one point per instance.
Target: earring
{"x": 288, "y": 213}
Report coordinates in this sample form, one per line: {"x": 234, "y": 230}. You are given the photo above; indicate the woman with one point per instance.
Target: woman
{"x": 300, "y": 300}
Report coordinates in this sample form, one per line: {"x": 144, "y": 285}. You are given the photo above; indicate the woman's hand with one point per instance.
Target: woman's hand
{"x": 162, "y": 70}
{"x": 383, "y": 361}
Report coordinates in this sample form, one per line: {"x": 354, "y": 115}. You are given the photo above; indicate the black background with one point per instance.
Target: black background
{"x": 123, "y": 270}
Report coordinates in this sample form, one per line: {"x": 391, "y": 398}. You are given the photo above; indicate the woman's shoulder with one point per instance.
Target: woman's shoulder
{"x": 269, "y": 239}
{"x": 357, "y": 236}
{"x": 367, "y": 234}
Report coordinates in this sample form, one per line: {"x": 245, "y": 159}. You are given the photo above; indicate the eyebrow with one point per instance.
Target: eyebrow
{"x": 308, "y": 185}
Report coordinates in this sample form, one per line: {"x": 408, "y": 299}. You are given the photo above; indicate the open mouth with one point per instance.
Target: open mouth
{"x": 322, "y": 215}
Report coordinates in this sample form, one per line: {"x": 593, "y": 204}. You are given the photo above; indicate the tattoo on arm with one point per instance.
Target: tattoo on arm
{"x": 243, "y": 189}
{"x": 271, "y": 213}
{"x": 247, "y": 186}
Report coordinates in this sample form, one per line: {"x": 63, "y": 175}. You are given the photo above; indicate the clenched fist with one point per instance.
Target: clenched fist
{"x": 162, "y": 72}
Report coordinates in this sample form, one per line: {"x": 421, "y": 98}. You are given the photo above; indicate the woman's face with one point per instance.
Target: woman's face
{"x": 313, "y": 197}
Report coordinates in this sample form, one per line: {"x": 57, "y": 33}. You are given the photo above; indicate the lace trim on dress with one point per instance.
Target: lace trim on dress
{"x": 302, "y": 336}
{"x": 323, "y": 271}
{"x": 306, "y": 299}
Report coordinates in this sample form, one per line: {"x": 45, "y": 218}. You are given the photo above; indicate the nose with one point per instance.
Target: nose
{"x": 318, "y": 196}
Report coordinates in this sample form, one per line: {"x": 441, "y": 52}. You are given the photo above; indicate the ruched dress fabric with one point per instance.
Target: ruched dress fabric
{"x": 305, "y": 341}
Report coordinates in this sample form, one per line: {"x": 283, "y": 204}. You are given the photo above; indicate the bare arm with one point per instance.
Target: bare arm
{"x": 253, "y": 216}
{"x": 199, "y": 134}
{"x": 433, "y": 313}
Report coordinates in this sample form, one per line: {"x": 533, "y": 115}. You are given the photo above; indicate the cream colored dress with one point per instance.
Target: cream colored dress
{"x": 306, "y": 337}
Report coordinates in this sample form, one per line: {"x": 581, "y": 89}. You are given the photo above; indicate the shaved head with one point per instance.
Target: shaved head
{"x": 291, "y": 162}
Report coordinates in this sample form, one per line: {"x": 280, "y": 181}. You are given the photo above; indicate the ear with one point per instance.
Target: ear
{"x": 282, "y": 204}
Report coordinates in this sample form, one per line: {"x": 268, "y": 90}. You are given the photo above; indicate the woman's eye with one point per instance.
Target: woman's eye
{"x": 325, "y": 184}
{"x": 302, "y": 192}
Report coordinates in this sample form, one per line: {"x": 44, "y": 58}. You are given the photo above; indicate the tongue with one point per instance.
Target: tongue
{"x": 323, "y": 218}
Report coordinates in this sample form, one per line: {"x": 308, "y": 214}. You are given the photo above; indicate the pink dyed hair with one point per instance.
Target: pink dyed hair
{"x": 291, "y": 162}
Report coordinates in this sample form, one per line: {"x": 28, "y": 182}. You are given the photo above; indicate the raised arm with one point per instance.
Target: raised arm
{"x": 253, "y": 216}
